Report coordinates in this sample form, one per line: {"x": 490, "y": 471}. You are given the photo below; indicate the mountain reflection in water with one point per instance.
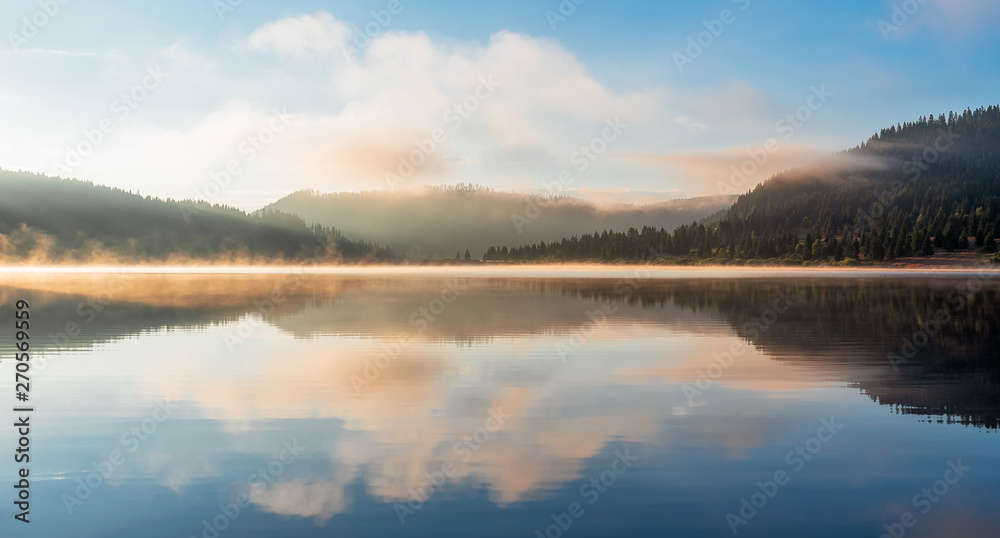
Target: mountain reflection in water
{"x": 387, "y": 380}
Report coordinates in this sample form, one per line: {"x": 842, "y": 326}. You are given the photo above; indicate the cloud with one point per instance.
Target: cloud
{"x": 691, "y": 122}
{"x": 707, "y": 169}
{"x": 303, "y": 498}
{"x": 302, "y": 38}
{"x": 357, "y": 120}
{"x": 354, "y": 122}
{"x": 406, "y": 422}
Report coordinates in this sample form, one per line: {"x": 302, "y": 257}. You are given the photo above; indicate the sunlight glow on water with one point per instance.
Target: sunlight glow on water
{"x": 508, "y": 271}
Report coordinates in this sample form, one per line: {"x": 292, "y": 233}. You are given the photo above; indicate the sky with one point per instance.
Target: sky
{"x": 244, "y": 101}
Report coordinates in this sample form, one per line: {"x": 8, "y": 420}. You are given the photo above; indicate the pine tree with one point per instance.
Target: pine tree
{"x": 990, "y": 243}
{"x": 928, "y": 249}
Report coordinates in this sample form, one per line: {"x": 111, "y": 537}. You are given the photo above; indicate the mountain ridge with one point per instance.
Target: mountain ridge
{"x": 434, "y": 222}
{"x": 912, "y": 189}
{"x": 45, "y": 220}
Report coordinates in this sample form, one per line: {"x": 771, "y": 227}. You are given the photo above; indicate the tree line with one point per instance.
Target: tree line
{"x": 45, "y": 219}
{"x": 910, "y": 190}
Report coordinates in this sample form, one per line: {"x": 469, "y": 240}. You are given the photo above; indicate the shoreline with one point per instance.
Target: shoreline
{"x": 517, "y": 271}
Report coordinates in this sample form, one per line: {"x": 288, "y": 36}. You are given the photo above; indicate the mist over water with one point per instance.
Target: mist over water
{"x": 455, "y": 402}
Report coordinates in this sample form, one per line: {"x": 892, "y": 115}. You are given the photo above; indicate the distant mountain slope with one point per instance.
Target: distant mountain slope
{"x": 438, "y": 221}
{"x": 933, "y": 184}
{"x": 48, "y": 220}
{"x": 933, "y": 178}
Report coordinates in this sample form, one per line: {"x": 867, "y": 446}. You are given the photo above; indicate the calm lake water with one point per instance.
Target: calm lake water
{"x": 444, "y": 404}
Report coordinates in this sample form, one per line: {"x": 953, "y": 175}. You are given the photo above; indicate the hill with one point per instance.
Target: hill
{"x": 435, "y": 222}
{"x": 913, "y": 189}
{"x": 50, "y": 220}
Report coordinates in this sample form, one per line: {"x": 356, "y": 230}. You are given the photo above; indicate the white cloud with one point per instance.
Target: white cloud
{"x": 302, "y": 37}
{"x": 353, "y": 121}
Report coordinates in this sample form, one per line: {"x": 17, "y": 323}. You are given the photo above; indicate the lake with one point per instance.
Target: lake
{"x": 542, "y": 402}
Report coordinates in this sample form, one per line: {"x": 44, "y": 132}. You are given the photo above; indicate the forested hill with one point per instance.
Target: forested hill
{"x": 48, "y": 220}
{"x": 935, "y": 177}
{"x": 913, "y": 189}
{"x": 434, "y": 222}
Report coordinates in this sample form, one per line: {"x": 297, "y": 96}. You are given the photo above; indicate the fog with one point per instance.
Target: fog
{"x": 437, "y": 222}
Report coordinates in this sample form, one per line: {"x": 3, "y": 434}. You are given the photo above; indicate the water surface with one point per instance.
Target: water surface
{"x": 448, "y": 403}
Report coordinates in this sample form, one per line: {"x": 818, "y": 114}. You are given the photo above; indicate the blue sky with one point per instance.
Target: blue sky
{"x": 277, "y": 72}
